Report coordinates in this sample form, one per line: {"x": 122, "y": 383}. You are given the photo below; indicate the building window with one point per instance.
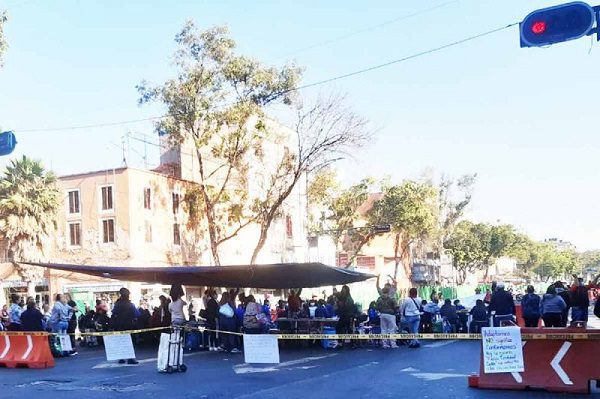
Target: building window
{"x": 176, "y": 202}
{"x": 148, "y": 231}
{"x": 108, "y": 230}
{"x": 107, "y": 198}
{"x": 289, "y": 231}
{"x": 176, "y": 234}
{"x": 147, "y": 198}
{"x": 74, "y": 206}
{"x": 75, "y": 234}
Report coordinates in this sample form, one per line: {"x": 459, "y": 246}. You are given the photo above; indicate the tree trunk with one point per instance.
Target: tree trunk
{"x": 210, "y": 215}
{"x": 262, "y": 239}
{"x": 397, "y": 260}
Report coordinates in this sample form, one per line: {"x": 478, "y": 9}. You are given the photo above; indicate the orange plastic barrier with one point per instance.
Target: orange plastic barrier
{"x": 25, "y": 350}
{"x": 554, "y": 365}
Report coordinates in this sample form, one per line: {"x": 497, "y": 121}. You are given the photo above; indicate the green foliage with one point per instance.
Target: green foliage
{"x": 29, "y": 201}
{"x": 410, "y": 208}
{"x": 454, "y": 197}
{"x": 476, "y": 246}
{"x": 3, "y": 43}
{"x": 217, "y": 102}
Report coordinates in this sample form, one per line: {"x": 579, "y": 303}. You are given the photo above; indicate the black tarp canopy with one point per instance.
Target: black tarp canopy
{"x": 270, "y": 276}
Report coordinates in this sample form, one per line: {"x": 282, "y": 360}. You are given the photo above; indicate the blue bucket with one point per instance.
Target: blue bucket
{"x": 329, "y": 343}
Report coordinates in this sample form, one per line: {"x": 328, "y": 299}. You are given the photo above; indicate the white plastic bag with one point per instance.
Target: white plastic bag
{"x": 164, "y": 348}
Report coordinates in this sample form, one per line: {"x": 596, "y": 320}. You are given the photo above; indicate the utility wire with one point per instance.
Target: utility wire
{"x": 368, "y": 29}
{"x": 302, "y": 87}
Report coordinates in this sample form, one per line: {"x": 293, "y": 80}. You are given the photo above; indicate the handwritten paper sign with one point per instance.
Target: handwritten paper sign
{"x": 119, "y": 347}
{"x": 65, "y": 342}
{"x": 502, "y": 350}
{"x": 261, "y": 348}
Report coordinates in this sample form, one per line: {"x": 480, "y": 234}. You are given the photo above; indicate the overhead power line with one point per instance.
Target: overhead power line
{"x": 369, "y": 28}
{"x": 302, "y": 87}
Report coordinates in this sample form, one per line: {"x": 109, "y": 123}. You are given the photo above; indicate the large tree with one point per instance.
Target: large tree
{"x": 454, "y": 197}
{"x": 217, "y": 100}
{"x": 29, "y": 200}
{"x": 325, "y": 133}
{"x": 411, "y": 209}
{"x": 476, "y": 246}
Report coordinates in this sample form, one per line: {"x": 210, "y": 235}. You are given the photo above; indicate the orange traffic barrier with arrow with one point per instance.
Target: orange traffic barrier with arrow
{"x": 25, "y": 350}
{"x": 556, "y": 360}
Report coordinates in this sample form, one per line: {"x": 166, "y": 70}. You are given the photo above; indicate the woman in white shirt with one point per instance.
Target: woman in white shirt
{"x": 411, "y": 314}
{"x": 178, "y": 309}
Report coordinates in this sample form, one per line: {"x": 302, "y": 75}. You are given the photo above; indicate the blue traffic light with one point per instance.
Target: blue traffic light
{"x": 8, "y": 141}
{"x": 557, "y": 24}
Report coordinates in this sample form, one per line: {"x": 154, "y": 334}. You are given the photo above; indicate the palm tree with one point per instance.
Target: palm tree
{"x": 29, "y": 200}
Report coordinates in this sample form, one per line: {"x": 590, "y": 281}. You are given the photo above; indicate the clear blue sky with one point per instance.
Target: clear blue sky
{"x": 526, "y": 120}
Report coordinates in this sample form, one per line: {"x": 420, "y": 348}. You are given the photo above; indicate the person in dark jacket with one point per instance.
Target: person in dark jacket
{"x": 449, "y": 312}
{"x": 580, "y": 300}
{"x": 480, "y": 317}
{"x": 32, "y": 318}
{"x": 502, "y": 305}
{"x": 562, "y": 292}
{"x": 530, "y": 303}
{"x": 124, "y": 316}
{"x": 212, "y": 314}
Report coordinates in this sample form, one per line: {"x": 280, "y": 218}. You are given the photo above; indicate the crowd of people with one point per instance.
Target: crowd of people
{"x": 235, "y": 312}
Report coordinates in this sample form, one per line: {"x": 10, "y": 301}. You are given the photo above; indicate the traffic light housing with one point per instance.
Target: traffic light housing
{"x": 558, "y": 24}
{"x": 382, "y": 228}
{"x": 8, "y": 141}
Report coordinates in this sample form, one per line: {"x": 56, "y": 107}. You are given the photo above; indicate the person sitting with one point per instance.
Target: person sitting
{"x": 463, "y": 316}
{"x": 373, "y": 314}
{"x": 448, "y": 311}
{"x": 32, "y": 318}
{"x": 321, "y": 311}
{"x": 252, "y": 323}
{"x": 502, "y": 305}
{"x": 479, "y": 317}
{"x": 281, "y": 310}
{"x": 426, "y": 319}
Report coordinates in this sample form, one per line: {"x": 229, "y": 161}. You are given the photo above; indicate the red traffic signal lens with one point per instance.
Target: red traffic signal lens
{"x": 538, "y": 27}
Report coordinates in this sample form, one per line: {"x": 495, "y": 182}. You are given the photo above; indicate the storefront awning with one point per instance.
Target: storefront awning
{"x": 274, "y": 276}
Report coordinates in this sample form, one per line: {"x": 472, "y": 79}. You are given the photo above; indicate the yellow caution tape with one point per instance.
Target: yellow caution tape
{"x": 434, "y": 336}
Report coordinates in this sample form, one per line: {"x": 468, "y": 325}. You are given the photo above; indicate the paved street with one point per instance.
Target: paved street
{"x": 438, "y": 370}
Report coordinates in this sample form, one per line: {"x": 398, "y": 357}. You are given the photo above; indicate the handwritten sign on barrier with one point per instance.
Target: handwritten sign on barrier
{"x": 261, "y": 348}
{"x": 119, "y": 347}
{"x": 502, "y": 350}
{"x": 65, "y": 342}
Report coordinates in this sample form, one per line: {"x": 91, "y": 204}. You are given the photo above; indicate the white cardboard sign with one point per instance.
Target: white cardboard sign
{"x": 65, "y": 342}
{"x": 502, "y": 350}
{"x": 119, "y": 347}
{"x": 261, "y": 348}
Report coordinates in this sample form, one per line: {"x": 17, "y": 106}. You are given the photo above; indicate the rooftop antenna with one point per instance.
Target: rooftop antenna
{"x": 124, "y": 150}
